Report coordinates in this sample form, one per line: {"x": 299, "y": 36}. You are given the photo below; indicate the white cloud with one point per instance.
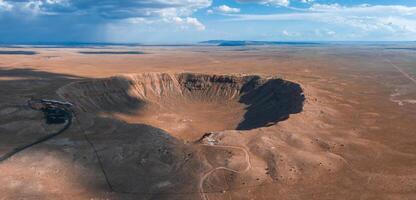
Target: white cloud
{"x": 401, "y": 24}
{"x": 283, "y": 3}
{"x": 188, "y": 21}
{"x": 139, "y": 20}
{"x": 34, "y": 6}
{"x": 278, "y": 2}
{"x": 268, "y": 2}
{"x": 110, "y": 9}
{"x": 113, "y": 11}
{"x": 365, "y": 9}
{"x": 370, "y": 18}
{"x": 324, "y": 32}
{"x": 367, "y": 18}
{"x": 4, "y": 6}
{"x": 195, "y": 23}
{"x": 286, "y": 33}
{"x": 307, "y": 1}
{"x": 227, "y": 9}
{"x": 329, "y": 32}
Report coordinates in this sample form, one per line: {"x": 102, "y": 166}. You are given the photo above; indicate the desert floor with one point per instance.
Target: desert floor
{"x": 355, "y": 137}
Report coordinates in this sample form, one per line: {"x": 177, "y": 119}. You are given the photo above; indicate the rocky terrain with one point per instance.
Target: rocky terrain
{"x": 210, "y": 123}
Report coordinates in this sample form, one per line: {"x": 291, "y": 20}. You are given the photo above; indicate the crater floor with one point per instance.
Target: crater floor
{"x": 189, "y": 105}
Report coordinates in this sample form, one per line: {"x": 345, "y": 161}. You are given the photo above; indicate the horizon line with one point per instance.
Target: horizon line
{"x": 199, "y": 43}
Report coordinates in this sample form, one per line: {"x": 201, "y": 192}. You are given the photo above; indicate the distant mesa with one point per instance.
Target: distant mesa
{"x": 8, "y": 52}
{"x": 112, "y": 52}
{"x": 402, "y": 48}
{"x": 66, "y": 44}
{"x": 252, "y": 43}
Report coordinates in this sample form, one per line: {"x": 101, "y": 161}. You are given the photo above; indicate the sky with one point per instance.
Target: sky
{"x": 190, "y": 21}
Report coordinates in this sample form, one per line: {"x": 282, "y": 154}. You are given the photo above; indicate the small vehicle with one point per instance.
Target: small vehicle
{"x": 55, "y": 112}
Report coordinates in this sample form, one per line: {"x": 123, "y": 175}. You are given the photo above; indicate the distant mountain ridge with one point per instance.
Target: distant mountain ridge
{"x": 250, "y": 42}
{"x": 67, "y": 44}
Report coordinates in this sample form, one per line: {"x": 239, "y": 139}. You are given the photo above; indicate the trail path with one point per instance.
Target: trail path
{"x": 401, "y": 71}
{"x": 38, "y": 141}
{"x": 209, "y": 172}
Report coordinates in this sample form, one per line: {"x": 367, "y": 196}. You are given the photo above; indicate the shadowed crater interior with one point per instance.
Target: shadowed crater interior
{"x": 189, "y": 105}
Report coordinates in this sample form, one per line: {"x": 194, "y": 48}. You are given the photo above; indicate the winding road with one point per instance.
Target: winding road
{"x": 209, "y": 172}
{"x": 38, "y": 141}
{"x": 201, "y": 182}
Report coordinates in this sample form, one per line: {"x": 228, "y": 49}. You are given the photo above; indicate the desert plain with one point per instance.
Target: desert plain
{"x": 205, "y": 122}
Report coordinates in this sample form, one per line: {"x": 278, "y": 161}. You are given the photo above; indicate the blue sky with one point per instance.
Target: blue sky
{"x": 188, "y": 21}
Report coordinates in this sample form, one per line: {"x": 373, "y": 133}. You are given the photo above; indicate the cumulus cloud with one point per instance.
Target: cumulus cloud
{"x": 227, "y": 9}
{"x": 283, "y": 3}
{"x": 5, "y": 6}
{"x": 268, "y": 2}
{"x": 149, "y": 10}
{"x": 307, "y": 1}
{"x": 188, "y": 21}
{"x": 112, "y": 8}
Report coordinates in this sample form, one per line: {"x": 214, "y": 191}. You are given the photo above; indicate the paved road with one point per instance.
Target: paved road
{"x": 38, "y": 141}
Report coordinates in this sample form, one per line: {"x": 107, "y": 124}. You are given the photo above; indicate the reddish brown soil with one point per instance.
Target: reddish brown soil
{"x": 353, "y": 139}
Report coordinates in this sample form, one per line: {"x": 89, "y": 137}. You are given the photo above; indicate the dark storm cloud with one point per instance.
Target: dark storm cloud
{"x": 107, "y": 8}
{"x": 80, "y": 20}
